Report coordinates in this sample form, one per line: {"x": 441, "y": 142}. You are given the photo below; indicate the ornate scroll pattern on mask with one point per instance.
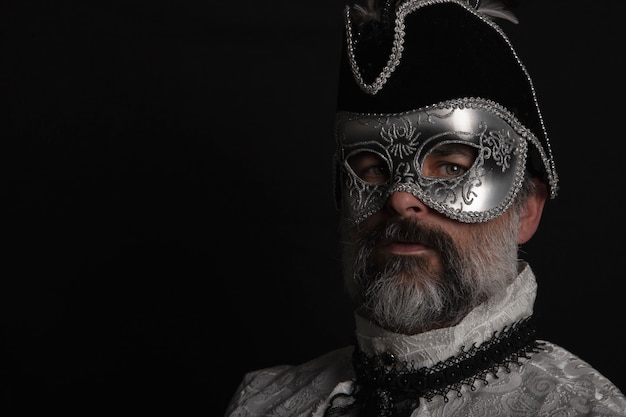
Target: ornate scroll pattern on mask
{"x": 404, "y": 141}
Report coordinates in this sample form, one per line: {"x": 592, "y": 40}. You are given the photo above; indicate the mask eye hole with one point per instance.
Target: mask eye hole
{"x": 370, "y": 167}
{"x": 449, "y": 160}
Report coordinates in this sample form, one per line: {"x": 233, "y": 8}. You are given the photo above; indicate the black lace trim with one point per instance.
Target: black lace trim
{"x": 386, "y": 387}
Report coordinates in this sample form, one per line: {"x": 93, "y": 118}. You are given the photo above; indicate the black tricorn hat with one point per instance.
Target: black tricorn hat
{"x": 415, "y": 53}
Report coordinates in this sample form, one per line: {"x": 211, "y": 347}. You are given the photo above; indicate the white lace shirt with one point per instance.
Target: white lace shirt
{"x": 553, "y": 382}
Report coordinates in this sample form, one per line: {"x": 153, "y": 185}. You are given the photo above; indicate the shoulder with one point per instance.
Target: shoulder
{"x": 561, "y": 377}
{"x": 292, "y": 390}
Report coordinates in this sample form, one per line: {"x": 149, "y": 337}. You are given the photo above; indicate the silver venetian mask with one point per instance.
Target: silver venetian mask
{"x": 463, "y": 158}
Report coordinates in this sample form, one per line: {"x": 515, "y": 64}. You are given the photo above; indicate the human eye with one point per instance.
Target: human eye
{"x": 448, "y": 169}
{"x": 449, "y": 160}
{"x": 370, "y": 167}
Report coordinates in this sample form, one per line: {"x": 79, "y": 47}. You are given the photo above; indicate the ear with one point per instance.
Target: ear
{"x": 531, "y": 213}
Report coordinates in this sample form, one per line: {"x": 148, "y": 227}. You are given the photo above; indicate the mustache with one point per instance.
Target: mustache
{"x": 408, "y": 230}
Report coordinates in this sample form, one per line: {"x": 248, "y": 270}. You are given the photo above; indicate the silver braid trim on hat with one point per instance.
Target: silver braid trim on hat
{"x": 409, "y": 6}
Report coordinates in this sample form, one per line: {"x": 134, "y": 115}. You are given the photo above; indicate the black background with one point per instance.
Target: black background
{"x": 169, "y": 210}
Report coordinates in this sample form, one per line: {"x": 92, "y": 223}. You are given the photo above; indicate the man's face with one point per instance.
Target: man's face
{"x": 426, "y": 199}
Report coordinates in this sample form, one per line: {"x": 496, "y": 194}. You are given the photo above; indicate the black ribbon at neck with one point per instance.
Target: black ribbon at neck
{"x": 388, "y": 387}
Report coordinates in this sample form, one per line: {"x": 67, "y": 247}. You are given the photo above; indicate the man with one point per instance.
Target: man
{"x": 443, "y": 169}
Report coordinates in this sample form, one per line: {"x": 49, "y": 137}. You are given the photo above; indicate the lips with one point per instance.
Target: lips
{"x": 399, "y": 247}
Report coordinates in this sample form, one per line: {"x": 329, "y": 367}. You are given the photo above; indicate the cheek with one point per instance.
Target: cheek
{"x": 374, "y": 220}
{"x": 462, "y": 234}
{"x": 480, "y": 234}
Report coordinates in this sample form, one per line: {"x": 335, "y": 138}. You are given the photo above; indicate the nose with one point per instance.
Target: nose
{"x": 404, "y": 204}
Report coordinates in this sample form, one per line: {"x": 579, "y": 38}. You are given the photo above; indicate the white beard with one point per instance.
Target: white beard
{"x": 405, "y": 294}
